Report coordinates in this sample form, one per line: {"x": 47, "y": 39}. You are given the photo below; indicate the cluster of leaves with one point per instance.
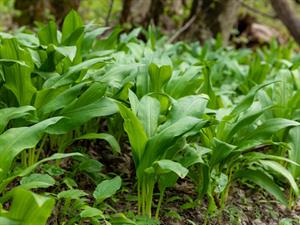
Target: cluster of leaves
{"x": 213, "y": 114}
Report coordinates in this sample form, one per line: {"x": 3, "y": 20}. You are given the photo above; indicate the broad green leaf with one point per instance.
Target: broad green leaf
{"x": 166, "y": 166}
{"x": 121, "y": 219}
{"x": 77, "y": 114}
{"x": 135, "y": 131}
{"x": 91, "y": 36}
{"x": 134, "y": 102}
{"x": 61, "y": 100}
{"x": 29, "y": 169}
{"x": 72, "y": 73}
{"x": 67, "y": 51}
{"x": 283, "y": 171}
{"x": 107, "y": 189}
{"x": 193, "y": 105}
{"x": 15, "y": 140}
{"x": 90, "y": 166}
{"x": 220, "y": 151}
{"x": 6, "y": 221}
{"x": 163, "y": 140}
{"x": 245, "y": 121}
{"x": 17, "y": 77}
{"x": 89, "y": 212}
{"x": 29, "y": 208}
{"x": 167, "y": 180}
{"x": 263, "y": 181}
{"x": 148, "y": 113}
{"x": 75, "y": 38}
{"x": 294, "y": 153}
{"x": 37, "y": 181}
{"x": 71, "y": 23}
{"x": 95, "y": 92}
{"x": 248, "y": 99}
{"x": 159, "y": 76}
{"x": 221, "y": 183}
{"x": 103, "y": 136}
{"x": 48, "y": 34}
{"x": 9, "y": 62}
{"x": 188, "y": 83}
{"x": 8, "y": 114}
{"x": 272, "y": 126}
{"x": 255, "y": 156}
{"x": 193, "y": 154}
{"x": 72, "y": 194}
{"x": 118, "y": 74}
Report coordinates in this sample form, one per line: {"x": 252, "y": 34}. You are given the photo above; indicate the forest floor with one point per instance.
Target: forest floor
{"x": 245, "y": 206}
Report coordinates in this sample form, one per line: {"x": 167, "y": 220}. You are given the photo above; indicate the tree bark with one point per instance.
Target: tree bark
{"x": 30, "y": 11}
{"x": 156, "y": 9}
{"x": 213, "y": 17}
{"x": 61, "y": 8}
{"x": 288, "y": 17}
{"x": 35, "y": 10}
{"x": 125, "y": 11}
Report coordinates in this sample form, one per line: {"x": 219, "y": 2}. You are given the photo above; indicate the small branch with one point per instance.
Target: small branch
{"x": 257, "y": 11}
{"x": 111, "y": 4}
{"x": 182, "y": 29}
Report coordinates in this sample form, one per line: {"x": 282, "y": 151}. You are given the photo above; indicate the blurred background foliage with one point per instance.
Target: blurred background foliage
{"x": 173, "y": 17}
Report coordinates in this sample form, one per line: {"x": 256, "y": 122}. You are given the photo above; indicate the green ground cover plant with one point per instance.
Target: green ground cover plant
{"x": 211, "y": 115}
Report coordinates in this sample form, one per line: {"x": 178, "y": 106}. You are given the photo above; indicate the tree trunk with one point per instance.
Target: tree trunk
{"x": 213, "y": 17}
{"x": 156, "y": 9}
{"x": 35, "y": 10}
{"x": 30, "y": 11}
{"x": 288, "y": 17}
{"x": 125, "y": 11}
{"x": 61, "y": 8}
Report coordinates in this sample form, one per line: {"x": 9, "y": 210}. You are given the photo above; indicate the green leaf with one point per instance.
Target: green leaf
{"x": 159, "y": 76}
{"x": 15, "y": 140}
{"x": 77, "y": 114}
{"x": 17, "y": 77}
{"x": 107, "y": 189}
{"x": 166, "y": 166}
{"x": 148, "y": 113}
{"x": 61, "y": 100}
{"x": 134, "y": 101}
{"x": 186, "y": 83}
{"x": 72, "y": 194}
{"x": 160, "y": 142}
{"x": 37, "y": 181}
{"x": 29, "y": 208}
{"x": 193, "y": 154}
{"x": 6, "y": 221}
{"x": 294, "y": 153}
{"x": 193, "y": 105}
{"x": 263, "y": 181}
{"x": 103, "y": 136}
{"x": 72, "y": 73}
{"x": 8, "y": 114}
{"x": 67, "y": 51}
{"x": 248, "y": 99}
{"x": 9, "y": 62}
{"x": 48, "y": 34}
{"x": 90, "y": 212}
{"x": 220, "y": 151}
{"x": 221, "y": 183}
{"x": 29, "y": 169}
{"x": 283, "y": 171}
{"x": 246, "y": 120}
{"x": 272, "y": 126}
{"x": 135, "y": 131}
{"x": 90, "y": 166}
{"x": 71, "y": 23}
